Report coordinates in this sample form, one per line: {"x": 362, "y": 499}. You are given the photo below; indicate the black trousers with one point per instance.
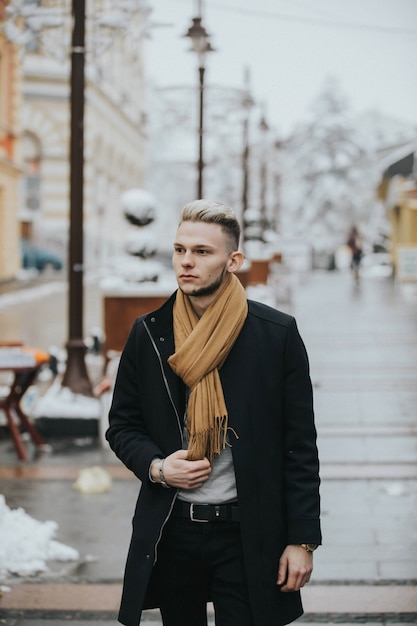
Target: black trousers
{"x": 197, "y": 561}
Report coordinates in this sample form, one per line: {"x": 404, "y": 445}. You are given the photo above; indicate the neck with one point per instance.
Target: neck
{"x": 200, "y": 305}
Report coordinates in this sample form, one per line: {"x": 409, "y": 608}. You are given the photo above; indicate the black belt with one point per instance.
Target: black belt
{"x": 206, "y": 512}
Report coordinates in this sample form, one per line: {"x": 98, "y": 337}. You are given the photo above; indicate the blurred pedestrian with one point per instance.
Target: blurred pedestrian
{"x": 354, "y": 242}
{"x": 212, "y": 410}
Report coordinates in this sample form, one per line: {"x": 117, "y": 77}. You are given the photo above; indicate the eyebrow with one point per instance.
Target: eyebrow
{"x": 195, "y": 246}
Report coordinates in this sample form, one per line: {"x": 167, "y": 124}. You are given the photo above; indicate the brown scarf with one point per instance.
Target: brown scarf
{"x": 202, "y": 346}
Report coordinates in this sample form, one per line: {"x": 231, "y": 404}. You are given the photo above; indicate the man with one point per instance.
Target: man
{"x": 212, "y": 411}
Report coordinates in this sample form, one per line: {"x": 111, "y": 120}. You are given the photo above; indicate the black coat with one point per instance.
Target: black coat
{"x": 268, "y": 394}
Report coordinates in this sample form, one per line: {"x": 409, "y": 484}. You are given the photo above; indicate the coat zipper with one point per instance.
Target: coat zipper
{"x": 164, "y": 377}
{"x": 179, "y": 427}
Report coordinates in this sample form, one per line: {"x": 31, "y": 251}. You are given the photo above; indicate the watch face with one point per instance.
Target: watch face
{"x": 311, "y": 547}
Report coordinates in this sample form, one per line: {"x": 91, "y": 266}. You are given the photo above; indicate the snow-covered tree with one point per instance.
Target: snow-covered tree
{"x": 327, "y": 173}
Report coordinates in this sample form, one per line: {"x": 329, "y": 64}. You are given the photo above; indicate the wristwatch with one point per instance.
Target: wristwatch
{"x": 310, "y": 547}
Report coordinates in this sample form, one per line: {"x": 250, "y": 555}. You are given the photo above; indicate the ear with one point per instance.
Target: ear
{"x": 235, "y": 261}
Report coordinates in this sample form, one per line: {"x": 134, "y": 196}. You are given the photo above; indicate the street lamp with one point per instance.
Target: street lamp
{"x": 76, "y": 376}
{"x": 201, "y": 45}
{"x": 277, "y": 185}
{"x": 247, "y": 104}
{"x": 263, "y": 127}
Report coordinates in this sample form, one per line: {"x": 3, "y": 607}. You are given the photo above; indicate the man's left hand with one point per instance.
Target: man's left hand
{"x": 295, "y": 567}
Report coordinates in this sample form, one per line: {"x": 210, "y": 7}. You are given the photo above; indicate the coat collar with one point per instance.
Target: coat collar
{"x": 160, "y": 321}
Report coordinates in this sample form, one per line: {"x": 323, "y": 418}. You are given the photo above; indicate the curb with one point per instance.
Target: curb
{"x": 149, "y": 617}
{"x": 322, "y": 603}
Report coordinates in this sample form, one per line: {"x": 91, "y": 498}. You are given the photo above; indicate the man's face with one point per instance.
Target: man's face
{"x": 201, "y": 259}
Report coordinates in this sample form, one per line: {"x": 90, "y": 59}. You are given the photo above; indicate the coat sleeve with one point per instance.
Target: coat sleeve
{"x": 127, "y": 433}
{"x": 301, "y": 456}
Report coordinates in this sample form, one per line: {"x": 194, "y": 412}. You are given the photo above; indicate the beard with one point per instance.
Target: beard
{"x": 208, "y": 290}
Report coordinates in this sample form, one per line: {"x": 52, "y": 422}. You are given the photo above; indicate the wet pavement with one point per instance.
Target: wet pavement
{"x": 362, "y": 343}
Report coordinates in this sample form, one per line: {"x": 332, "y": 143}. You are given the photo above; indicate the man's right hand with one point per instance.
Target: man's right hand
{"x": 181, "y": 473}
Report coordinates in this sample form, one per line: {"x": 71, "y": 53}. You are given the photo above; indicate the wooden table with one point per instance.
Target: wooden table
{"x": 24, "y": 370}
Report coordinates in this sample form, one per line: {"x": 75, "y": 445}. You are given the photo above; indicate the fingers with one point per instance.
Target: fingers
{"x": 185, "y": 474}
{"x": 180, "y": 454}
{"x": 295, "y": 568}
{"x": 295, "y": 581}
{"x": 183, "y": 455}
{"x": 282, "y": 574}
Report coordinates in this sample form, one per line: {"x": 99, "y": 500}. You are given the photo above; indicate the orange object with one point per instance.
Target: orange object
{"x": 40, "y": 356}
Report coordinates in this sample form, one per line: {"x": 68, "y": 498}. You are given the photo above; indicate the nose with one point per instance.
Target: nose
{"x": 187, "y": 259}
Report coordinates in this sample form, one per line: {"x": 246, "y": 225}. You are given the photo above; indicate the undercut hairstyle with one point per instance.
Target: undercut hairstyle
{"x": 214, "y": 213}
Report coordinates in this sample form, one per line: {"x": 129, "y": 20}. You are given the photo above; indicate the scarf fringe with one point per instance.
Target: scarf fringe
{"x": 208, "y": 442}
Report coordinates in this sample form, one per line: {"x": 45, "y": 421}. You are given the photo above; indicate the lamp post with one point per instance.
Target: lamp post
{"x": 247, "y": 104}
{"x": 277, "y": 184}
{"x": 263, "y": 127}
{"x": 200, "y": 45}
{"x": 76, "y": 376}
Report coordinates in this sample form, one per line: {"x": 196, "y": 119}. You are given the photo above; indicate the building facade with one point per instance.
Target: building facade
{"x": 398, "y": 192}
{"x": 114, "y": 135}
{"x": 10, "y": 171}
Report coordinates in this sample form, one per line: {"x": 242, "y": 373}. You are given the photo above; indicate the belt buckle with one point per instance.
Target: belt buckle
{"x": 193, "y": 519}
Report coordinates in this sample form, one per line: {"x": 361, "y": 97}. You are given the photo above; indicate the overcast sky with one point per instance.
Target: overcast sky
{"x": 291, "y": 47}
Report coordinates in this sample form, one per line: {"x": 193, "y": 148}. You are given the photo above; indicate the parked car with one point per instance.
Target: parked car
{"x": 39, "y": 258}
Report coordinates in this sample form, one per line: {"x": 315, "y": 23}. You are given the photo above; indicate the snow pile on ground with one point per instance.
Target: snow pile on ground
{"x": 93, "y": 480}
{"x": 60, "y": 401}
{"x": 26, "y": 544}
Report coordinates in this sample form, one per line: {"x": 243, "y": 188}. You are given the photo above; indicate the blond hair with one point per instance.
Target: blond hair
{"x": 214, "y": 213}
